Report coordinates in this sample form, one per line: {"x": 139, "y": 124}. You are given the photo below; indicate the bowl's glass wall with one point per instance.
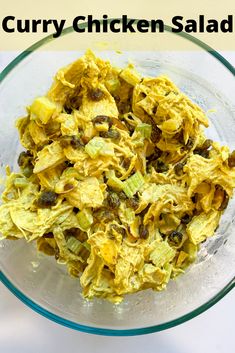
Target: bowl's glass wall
{"x": 212, "y": 86}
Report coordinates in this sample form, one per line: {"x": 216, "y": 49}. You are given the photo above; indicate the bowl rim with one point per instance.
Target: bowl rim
{"x": 99, "y": 330}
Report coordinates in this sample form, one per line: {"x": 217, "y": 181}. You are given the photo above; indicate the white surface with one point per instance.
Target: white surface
{"x": 23, "y": 331}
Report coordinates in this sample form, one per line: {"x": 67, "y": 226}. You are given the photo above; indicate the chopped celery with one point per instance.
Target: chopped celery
{"x": 20, "y": 182}
{"x": 113, "y": 181}
{"x": 145, "y": 130}
{"x": 94, "y": 146}
{"x": 130, "y": 75}
{"x": 168, "y": 268}
{"x": 129, "y": 215}
{"x": 85, "y": 219}
{"x": 72, "y": 173}
{"x": 42, "y": 109}
{"x": 138, "y": 142}
{"x": 97, "y": 146}
{"x": 86, "y": 245}
{"x": 133, "y": 184}
{"x": 162, "y": 254}
{"x": 74, "y": 245}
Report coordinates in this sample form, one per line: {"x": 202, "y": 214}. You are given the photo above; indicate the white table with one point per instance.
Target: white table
{"x": 23, "y": 331}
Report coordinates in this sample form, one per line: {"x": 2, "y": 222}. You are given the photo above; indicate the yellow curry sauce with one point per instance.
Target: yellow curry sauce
{"x": 118, "y": 181}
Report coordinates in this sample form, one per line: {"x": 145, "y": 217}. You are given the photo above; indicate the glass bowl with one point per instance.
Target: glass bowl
{"x": 37, "y": 280}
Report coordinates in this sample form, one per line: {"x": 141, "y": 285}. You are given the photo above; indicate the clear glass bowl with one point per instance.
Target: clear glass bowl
{"x": 44, "y": 285}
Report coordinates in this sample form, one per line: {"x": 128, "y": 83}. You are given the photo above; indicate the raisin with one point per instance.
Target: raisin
{"x": 186, "y": 218}
{"x": 126, "y": 163}
{"x": 143, "y": 231}
{"x": 117, "y": 99}
{"x": 231, "y": 160}
{"x": 113, "y": 200}
{"x": 118, "y": 229}
{"x": 190, "y": 143}
{"x": 155, "y": 155}
{"x": 68, "y": 187}
{"x": 205, "y": 154}
{"x": 142, "y": 95}
{"x": 122, "y": 195}
{"x": 202, "y": 153}
{"x": 72, "y": 141}
{"x": 111, "y": 133}
{"x": 85, "y": 139}
{"x": 76, "y": 142}
{"x": 76, "y": 101}
{"x": 104, "y": 215}
{"x": 204, "y": 149}
{"x": 73, "y": 102}
{"x": 180, "y": 137}
{"x": 178, "y": 168}
{"x": 157, "y": 152}
{"x": 133, "y": 202}
{"x": 28, "y": 170}
{"x": 154, "y": 110}
{"x": 161, "y": 167}
{"x": 124, "y": 107}
{"x": 23, "y": 157}
{"x": 65, "y": 141}
{"x": 96, "y": 94}
{"x": 206, "y": 144}
{"x": 68, "y": 164}
{"x": 100, "y": 119}
{"x": 156, "y": 133}
{"x": 67, "y": 109}
{"x": 77, "y": 233}
{"x": 48, "y": 235}
{"x": 175, "y": 237}
{"x": 47, "y": 199}
{"x": 144, "y": 211}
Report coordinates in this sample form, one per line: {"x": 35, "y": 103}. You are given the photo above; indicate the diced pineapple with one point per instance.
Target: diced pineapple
{"x": 42, "y": 109}
{"x": 145, "y": 130}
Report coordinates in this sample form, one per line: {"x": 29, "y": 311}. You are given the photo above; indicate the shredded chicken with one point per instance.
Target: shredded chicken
{"x": 118, "y": 180}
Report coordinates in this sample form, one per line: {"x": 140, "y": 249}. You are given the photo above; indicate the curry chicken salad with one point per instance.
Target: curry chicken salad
{"x": 118, "y": 181}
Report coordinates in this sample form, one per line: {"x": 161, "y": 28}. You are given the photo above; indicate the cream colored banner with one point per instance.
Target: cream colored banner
{"x": 27, "y": 22}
